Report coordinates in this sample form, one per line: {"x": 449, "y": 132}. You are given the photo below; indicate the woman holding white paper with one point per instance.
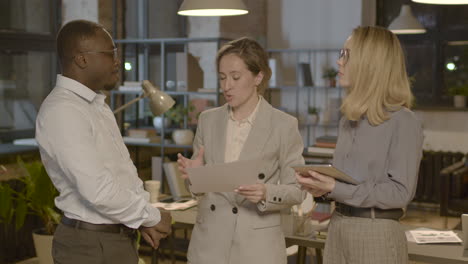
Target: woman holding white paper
{"x": 243, "y": 226}
{"x": 379, "y": 145}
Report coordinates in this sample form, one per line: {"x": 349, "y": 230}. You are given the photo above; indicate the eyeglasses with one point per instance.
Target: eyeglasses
{"x": 114, "y": 52}
{"x": 344, "y": 54}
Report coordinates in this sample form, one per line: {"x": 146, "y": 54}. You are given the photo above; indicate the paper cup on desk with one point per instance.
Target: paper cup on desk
{"x": 152, "y": 187}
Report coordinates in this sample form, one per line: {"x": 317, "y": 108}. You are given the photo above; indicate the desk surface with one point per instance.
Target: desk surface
{"x": 435, "y": 253}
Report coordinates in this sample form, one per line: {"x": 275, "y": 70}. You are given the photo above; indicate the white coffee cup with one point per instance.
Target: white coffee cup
{"x": 152, "y": 187}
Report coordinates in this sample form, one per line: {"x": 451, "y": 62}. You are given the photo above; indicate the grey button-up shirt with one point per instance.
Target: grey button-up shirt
{"x": 384, "y": 159}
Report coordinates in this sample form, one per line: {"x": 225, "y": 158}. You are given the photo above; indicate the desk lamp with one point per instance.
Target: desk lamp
{"x": 159, "y": 101}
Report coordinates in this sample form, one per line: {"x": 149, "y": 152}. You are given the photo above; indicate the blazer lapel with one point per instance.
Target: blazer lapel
{"x": 259, "y": 134}
{"x": 258, "y": 137}
{"x": 219, "y": 138}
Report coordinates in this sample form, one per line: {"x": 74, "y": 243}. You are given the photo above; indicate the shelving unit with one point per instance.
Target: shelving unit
{"x": 297, "y": 99}
{"x": 141, "y": 53}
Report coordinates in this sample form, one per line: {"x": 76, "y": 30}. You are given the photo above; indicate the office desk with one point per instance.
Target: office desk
{"x": 435, "y": 253}
{"x": 438, "y": 253}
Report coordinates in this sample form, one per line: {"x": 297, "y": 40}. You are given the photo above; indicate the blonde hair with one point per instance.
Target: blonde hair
{"x": 377, "y": 73}
{"x": 253, "y": 55}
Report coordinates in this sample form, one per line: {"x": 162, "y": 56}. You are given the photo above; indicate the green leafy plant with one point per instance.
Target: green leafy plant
{"x": 177, "y": 113}
{"x": 313, "y": 110}
{"x": 329, "y": 73}
{"x": 459, "y": 90}
{"x": 35, "y": 197}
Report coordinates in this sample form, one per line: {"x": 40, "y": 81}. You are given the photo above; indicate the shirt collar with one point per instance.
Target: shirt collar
{"x": 251, "y": 118}
{"x": 79, "y": 89}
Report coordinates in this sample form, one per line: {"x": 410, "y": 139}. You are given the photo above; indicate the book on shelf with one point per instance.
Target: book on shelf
{"x": 304, "y": 76}
{"x": 141, "y": 132}
{"x": 131, "y": 87}
{"x": 327, "y": 139}
{"x": 155, "y": 139}
{"x": 327, "y": 152}
{"x": 141, "y": 135}
{"x": 325, "y": 145}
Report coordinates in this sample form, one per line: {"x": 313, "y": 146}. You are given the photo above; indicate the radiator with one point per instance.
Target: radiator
{"x": 429, "y": 184}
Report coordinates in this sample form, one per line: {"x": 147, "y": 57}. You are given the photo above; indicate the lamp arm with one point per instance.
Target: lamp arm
{"x": 129, "y": 103}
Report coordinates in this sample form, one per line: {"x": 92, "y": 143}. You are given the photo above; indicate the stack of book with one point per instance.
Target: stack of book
{"x": 324, "y": 146}
{"x": 141, "y": 135}
{"x": 326, "y": 142}
{"x": 131, "y": 87}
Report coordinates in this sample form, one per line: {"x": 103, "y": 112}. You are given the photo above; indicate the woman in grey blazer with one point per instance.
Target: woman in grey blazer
{"x": 379, "y": 145}
{"x": 243, "y": 226}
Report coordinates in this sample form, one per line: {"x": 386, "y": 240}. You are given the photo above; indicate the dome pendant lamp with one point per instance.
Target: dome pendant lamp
{"x": 406, "y": 23}
{"x": 212, "y": 8}
{"x": 442, "y": 2}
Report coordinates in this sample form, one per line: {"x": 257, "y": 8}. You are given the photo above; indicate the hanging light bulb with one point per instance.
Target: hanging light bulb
{"x": 212, "y": 8}
{"x": 406, "y": 23}
{"x": 442, "y": 2}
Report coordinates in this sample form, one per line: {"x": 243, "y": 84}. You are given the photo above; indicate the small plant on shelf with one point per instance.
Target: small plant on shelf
{"x": 330, "y": 74}
{"x": 459, "y": 93}
{"x": 177, "y": 114}
{"x": 313, "y": 115}
{"x": 458, "y": 90}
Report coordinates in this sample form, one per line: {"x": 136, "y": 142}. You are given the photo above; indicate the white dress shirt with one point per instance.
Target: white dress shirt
{"x": 237, "y": 132}
{"x": 84, "y": 154}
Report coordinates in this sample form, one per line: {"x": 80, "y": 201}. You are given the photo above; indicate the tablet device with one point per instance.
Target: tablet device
{"x": 325, "y": 169}
{"x": 224, "y": 177}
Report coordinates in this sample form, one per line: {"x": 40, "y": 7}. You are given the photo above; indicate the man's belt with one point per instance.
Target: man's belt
{"x": 106, "y": 228}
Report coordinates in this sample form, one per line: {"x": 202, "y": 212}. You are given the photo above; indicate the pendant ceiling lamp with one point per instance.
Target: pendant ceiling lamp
{"x": 406, "y": 23}
{"x": 212, "y": 8}
{"x": 442, "y": 2}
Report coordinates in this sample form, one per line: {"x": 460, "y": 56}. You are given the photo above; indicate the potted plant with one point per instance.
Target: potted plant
{"x": 181, "y": 136}
{"x": 329, "y": 74}
{"x": 313, "y": 115}
{"x": 36, "y": 197}
{"x": 459, "y": 93}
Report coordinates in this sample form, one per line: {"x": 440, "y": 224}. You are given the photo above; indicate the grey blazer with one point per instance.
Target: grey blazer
{"x": 229, "y": 228}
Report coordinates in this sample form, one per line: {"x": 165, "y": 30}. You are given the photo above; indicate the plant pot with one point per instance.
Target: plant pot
{"x": 158, "y": 123}
{"x": 459, "y": 101}
{"x": 43, "y": 246}
{"x": 331, "y": 82}
{"x": 183, "y": 136}
{"x": 313, "y": 119}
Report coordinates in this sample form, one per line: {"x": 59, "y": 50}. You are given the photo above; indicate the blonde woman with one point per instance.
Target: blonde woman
{"x": 243, "y": 226}
{"x": 379, "y": 145}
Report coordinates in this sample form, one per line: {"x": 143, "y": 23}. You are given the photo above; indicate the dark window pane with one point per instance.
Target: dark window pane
{"x": 25, "y": 81}
{"x": 456, "y": 67}
{"x": 26, "y": 15}
{"x": 419, "y": 61}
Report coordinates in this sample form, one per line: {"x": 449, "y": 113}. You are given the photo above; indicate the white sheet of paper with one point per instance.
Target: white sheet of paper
{"x": 224, "y": 177}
